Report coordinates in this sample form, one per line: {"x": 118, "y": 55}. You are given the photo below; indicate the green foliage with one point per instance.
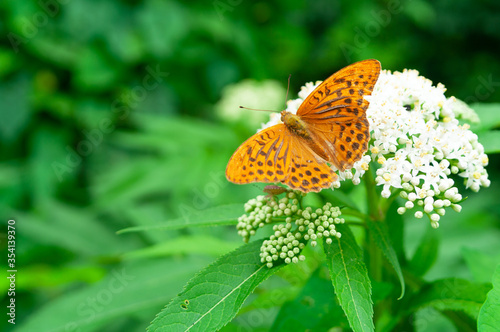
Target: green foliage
{"x": 212, "y": 298}
{"x": 380, "y": 235}
{"x": 112, "y": 157}
{"x": 481, "y": 265}
{"x": 218, "y": 216}
{"x": 127, "y": 292}
{"x": 311, "y": 309}
{"x": 487, "y": 129}
{"x": 452, "y": 294}
{"x": 350, "y": 280}
{"x": 425, "y": 255}
{"x": 488, "y": 316}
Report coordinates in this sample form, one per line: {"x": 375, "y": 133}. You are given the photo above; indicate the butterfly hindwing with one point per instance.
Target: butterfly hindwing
{"x": 308, "y": 172}
{"x": 348, "y": 141}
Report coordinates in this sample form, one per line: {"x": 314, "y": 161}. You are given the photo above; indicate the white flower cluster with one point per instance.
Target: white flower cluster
{"x": 417, "y": 142}
{"x": 288, "y": 240}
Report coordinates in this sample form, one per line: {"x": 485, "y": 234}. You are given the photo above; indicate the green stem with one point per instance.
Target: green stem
{"x": 375, "y": 258}
{"x": 375, "y": 213}
{"x": 387, "y": 203}
{"x": 375, "y": 210}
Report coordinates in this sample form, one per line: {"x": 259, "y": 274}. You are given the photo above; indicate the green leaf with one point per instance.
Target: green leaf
{"x": 124, "y": 42}
{"x": 8, "y": 62}
{"x": 56, "y": 50}
{"x": 195, "y": 244}
{"x": 314, "y": 309}
{"x": 216, "y": 216}
{"x": 162, "y": 24}
{"x": 490, "y": 140}
{"x": 396, "y": 227}
{"x": 340, "y": 198}
{"x": 350, "y": 280}
{"x": 429, "y": 319}
{"x": 481, "y": 265}
{"x": 489, "y": 114}
{"x": 127, "y": 290}
{"x": 381, "y": 290}
{"x": 213, "y": 297}
{"x": 47, "y": 150}
{"x": 489, "y": 319}
{"x": 15, "y": 100}
{"x": 462, "y": 321}
{"x": 452, "y": 294}
{"x": 380, "y": 234}
{"x": 94, "y": 71}
{"x": 426, "y": 254}
{"x": 42, "y": 275}
{"x": 84, "y": 235}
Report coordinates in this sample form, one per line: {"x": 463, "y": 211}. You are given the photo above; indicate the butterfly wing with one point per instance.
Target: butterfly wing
{"x": 344, "y": 89}
{"x": 276, "y": 155}
{"x": 336, "y": 112}
{"x": 343, "y": 143}
{"x": 264, "y": 157}
{"x": 308, "y": 171}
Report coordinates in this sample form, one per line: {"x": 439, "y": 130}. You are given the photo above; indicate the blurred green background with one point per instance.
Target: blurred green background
{"x": 120, "y": 113}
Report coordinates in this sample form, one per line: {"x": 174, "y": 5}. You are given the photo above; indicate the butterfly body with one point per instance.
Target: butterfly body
{"x": 300, "y": 128}
{"x": 295, "y": 124}
{"x": 329, "y": 129}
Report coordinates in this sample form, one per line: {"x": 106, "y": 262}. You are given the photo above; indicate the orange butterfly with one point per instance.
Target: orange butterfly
{"x": 330, "y": 127}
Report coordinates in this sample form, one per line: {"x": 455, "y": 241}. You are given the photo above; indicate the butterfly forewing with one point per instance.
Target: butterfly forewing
{"x": 340, "y": 96}
{"x": 264, "y": 157}
{"x": 336, "y": 112}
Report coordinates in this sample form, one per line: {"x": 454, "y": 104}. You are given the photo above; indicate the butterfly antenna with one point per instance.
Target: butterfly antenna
{"x": 288, "y": 88}
{"x": 254, "y": 109}
{"x": 286, "y": 98}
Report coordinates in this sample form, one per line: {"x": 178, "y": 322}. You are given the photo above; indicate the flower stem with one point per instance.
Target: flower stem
{"x": 375, "y": 213}
{"x": 375, "y": 210}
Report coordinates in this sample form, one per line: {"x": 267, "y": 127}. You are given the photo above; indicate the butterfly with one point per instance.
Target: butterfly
{"x": 329, "y": 129}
